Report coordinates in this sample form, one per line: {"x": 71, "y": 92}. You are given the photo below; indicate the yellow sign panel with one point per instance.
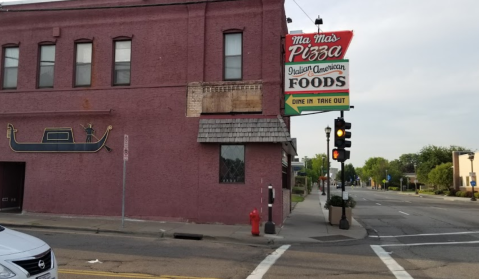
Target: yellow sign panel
{"x": 307, "y": 102}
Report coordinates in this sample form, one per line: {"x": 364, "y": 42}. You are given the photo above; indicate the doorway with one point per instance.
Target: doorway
{"x": 12, "y": 179}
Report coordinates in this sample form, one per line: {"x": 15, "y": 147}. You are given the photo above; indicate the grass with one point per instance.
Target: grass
{"x": 297, "y": 198}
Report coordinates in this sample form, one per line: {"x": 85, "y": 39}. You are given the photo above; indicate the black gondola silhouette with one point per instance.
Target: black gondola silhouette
{"x": 56, "y": 140}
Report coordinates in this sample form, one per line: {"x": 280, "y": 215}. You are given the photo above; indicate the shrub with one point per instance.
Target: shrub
{"x": 298, "y": 191}
{"x": 459, "y": 193}
{"x": 336, "y": 200}
{"x": 310, "y": 188}
{"x": 393, "y": 188}
{"x": 438, "y": 192}
{"x": 476, "y": 195}
{"x": 450, "y": 193}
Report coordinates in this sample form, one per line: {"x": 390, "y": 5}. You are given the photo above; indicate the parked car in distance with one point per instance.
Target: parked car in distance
{"x": 23, "y": 256}
{"x": 338, "y": 185}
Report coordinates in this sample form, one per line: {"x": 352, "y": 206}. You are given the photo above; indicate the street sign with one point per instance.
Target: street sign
{"x": 473, "y": 183}
{"x": 125, "y": 148}
{"x": 400, "y": 179}
{"x": 384, "y": 180}
{"x": 389, "y": 177}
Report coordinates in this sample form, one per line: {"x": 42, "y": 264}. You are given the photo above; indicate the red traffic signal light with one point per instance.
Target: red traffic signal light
{"x": 340, "y": 155}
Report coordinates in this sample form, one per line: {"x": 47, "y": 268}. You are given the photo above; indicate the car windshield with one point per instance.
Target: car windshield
{"x": 1, "y": 228}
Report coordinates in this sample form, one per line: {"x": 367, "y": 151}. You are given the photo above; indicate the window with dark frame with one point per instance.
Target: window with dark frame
{"x": 232, "y": 164}
{"x": 46, "y": 68}
{"x": 122, "y": 67}
{"x": 233, "y": 60}
{"x": 11, "y": 56}
{"x": 83, "y": 64}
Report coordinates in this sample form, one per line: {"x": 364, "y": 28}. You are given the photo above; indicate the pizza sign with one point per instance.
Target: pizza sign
{"x": 317, "y": 46}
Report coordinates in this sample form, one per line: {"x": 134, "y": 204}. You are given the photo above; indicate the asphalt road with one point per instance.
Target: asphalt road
{"x": 410, "y": 237}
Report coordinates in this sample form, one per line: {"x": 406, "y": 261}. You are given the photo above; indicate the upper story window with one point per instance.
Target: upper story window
{"x": 11, "y": 56}
{"x": 233, "y": 59}
{"x": 83, "y": 64}
{"x": 122, "y": 67}
{"x": 47, "y": 66}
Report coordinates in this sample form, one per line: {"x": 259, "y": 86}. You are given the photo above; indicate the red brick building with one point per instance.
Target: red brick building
{"x": 197, "y": 87}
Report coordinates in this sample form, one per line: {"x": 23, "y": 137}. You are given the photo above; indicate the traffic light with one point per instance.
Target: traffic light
{"x": 340, "y": 133}
{"x": 340, "y": 142}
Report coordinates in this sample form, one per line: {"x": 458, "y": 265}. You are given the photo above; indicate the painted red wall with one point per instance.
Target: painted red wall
{"x": 169, "y": 175}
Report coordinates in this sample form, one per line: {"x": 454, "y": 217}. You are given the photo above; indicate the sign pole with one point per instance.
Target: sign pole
{"x": 125, "y": 158}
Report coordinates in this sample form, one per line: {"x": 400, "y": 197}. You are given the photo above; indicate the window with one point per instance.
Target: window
{"x": 122, "y": 67}
{"x": 233, "y": 56}
{"x": 46, "y": 67}
{"x": 83, "y": 64}
{"x": 10, "y": 67}
{"x": 232, "y": 164}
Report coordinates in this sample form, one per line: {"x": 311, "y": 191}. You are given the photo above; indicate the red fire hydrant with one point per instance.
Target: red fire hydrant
{"x": 254, "y": 219}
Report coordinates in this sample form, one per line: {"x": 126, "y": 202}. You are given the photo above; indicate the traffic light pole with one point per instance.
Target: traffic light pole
{"x": 343, "y": 223}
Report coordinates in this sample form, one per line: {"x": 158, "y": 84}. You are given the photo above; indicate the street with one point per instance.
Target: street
{"x": 409, "y": 237}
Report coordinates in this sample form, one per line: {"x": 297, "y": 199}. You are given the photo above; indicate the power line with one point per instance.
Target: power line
{"x": 303, "y": 11}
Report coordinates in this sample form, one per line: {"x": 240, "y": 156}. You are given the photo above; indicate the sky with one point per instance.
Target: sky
{"x": 414, "y": 75}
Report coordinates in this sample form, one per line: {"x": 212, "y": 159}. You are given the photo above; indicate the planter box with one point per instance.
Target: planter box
{"x": 335, "y": 213}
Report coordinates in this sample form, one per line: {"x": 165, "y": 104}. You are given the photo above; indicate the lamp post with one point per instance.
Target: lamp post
{"x": 328, "y": 133}
{"x": 322, "y": 173}
{"x": 415, "y": 179}
{"x": 471, "y": 157}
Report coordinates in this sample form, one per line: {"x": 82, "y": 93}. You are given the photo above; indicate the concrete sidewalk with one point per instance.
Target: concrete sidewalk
{"x": 306, "y": 224}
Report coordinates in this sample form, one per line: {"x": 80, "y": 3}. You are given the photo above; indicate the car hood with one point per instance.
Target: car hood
{"x": 12, "y": 242}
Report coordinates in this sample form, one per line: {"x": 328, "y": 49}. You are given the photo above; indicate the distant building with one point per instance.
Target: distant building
{"x": 462, "y": 168}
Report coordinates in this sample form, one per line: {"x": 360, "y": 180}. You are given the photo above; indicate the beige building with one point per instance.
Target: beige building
{"x": 462, "y": 167}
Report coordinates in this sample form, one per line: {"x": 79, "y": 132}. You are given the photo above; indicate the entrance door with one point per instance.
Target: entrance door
{"x": 12, "y": 178}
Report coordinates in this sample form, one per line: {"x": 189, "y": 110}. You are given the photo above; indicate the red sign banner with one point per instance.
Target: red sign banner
{"x": 317, "y": 46}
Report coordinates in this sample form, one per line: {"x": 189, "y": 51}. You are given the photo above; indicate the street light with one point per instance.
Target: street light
{"x": 322, "y": 173}
{"x": 415, "y": 179}
{"x": 472, "y": 182}
{"x": 328, "y": 133}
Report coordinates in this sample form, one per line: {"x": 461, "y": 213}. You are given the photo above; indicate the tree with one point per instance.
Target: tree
{"x": 407, "y": 162}
{"x": 432, "y": 156}
{"x": 376, "y": 169}
{"x": 441, "y": 176}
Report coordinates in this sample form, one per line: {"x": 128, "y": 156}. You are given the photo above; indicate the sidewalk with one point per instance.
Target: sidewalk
{"x": 306, "y": 224}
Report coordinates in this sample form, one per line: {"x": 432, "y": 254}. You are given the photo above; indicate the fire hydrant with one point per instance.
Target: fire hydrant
{"x": 254, "y": 219}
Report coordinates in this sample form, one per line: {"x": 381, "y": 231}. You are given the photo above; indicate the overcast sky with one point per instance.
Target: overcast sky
{"x": 414, "y": 75}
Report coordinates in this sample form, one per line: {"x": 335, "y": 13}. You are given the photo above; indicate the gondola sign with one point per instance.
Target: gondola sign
{"x": 125, "y": 148}
{"x": 59, "y": 140}
{"x": 316, "y": 73}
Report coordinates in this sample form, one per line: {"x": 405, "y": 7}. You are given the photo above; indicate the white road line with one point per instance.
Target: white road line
{"x": 407, "y": 201}
{"x": 431, "y": 243}
{"x": 425, "y": 234}
{"x": 378, "y": 203}
{"x": 264, "y": 266}
{"x": 364, "y": 199}
{"x": 403, "y": 213}
{"x": 393, "y": 266}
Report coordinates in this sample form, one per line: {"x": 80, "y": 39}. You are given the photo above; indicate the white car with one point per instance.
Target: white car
{"x": 23, "y": 256}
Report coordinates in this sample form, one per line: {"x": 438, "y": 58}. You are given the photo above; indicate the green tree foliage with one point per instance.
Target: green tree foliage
{"x": 349, "y": 173}
{"x": 431, "y": 156}
{"x": 407, "y": 162}
{"x": 376, "y": 169}
{"x": 441, "y": 176}
{"x": 362, "y": 175}
{"x": 395, "y": 171}
{"x": 316, "y": 167}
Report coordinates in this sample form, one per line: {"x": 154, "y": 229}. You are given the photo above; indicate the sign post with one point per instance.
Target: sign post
{"x": 125, "y": 158}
